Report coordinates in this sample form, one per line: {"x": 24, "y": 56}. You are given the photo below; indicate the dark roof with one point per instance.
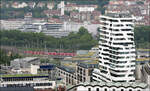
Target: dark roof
{"x": 119, "y": 15}
{"x": 88, "y": 65}
{"x": 67, "y": 69}
{"x": 51, "y": 66}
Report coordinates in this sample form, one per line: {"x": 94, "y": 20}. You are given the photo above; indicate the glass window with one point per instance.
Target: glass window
{"x": 113, "y": 90}
{"x": 130, "y": 90}
{"x": 97, "y": 89}
{"x": 89, "y": 89}
{"x": 105, "y": 89}
{"x": 122, "y": 90}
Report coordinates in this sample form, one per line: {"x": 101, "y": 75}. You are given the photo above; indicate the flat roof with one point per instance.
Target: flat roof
{"x": 143, "y": 59}
{"x": 119, "y": 15}
{"x": 23, "y": 75}
{"x": 88, "y": 65}
{"x": 89, "y": 54}
{"x": 72, "y": 65}
{"x": 67, "y": 69}
{"x": 90, "y": 62}
{"x": 143, "y": 49}
{"x": 25, "y": 59}
{"x": 83, "y": 59}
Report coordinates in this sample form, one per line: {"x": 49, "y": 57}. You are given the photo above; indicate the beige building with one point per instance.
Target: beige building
{"x": 81, "y": 73}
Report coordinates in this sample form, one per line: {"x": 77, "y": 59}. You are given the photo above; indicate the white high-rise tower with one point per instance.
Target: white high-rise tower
{"x": 116, "y": 49}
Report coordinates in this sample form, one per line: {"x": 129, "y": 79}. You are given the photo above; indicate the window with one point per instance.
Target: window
{"x": 113, "y": 90}
{"x": 89, "y": 89}
{"x": 130, "y": 90}
{"x": 105, "y": 89}
{"x": 122, "y": 90}
{"x": 97, "y": 89}
{"x": 138, "y": 90}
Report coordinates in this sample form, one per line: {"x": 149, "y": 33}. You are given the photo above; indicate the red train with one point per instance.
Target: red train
{"x": 49, "y": 53}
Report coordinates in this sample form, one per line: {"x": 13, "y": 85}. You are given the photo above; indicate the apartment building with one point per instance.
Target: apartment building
{"x": 81, "y": 73}
{"x": 116, "y": 49}
{"x": 67, "y": 75}
{"x": 54, "y": 29}
{"x": 84, "y": 71}
{"x": 11, "y": 24}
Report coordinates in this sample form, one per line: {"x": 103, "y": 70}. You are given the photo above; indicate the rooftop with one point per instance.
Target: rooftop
{"x": 89, "y": 64}
{"x": 119, "y": 15}
{"x": 143, "y": 59}
{"x": 67, "y": 69}
{"x": 72, "y": 65}
{"x": 50, "y": 66}
{"x": 22, "y": 75}
{"x": 27, "y": 59}
{"x": 143, "y": 49}
{"x": 89, "y": 54}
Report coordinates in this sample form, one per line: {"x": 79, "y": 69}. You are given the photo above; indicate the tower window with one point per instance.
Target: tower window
{"x": 122, "y": 90}
{"x": 89, "y": 89}
{"x": 97, "y": 89}
{"x": 130, "y": 89}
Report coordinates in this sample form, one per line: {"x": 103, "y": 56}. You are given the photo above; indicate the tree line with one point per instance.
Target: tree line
{"x": 142, "y": 37}
{"x": 74, "y": 41}
{"x": 5, "y": 57}
{"x": 82, "y": 40}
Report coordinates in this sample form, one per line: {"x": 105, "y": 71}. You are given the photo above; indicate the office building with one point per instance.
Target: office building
{"x": 24, "y": 62}
{"x": 116, "y": 49}
{"x": 49, "y": 69}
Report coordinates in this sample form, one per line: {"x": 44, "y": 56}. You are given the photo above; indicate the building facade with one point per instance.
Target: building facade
{"x": 67, "y": 75}
{"x": 116, "y": 49}
{"x": 111, "y": 86}
{"x": 81, "y": 73}
{"x": 145, "y": 77}
{"x": 84, "y": 72}
{"x": 11, "y": 24}
{"x": 27, "y": 80}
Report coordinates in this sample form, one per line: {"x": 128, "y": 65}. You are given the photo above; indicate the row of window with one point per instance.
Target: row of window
{"x": 97, "y": 89}
{"x": 100, "y": 78}
{"x": 29, "y": 84}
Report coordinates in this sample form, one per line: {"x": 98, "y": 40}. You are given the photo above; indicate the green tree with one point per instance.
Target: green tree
{"x": 142, "y": 38}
